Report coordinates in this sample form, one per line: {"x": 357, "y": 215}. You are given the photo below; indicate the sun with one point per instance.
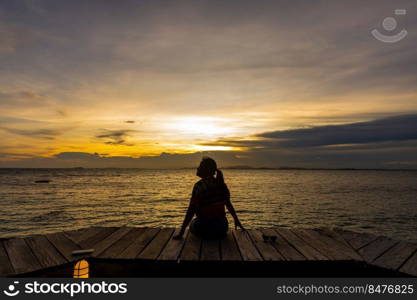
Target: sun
{"x": 202, "y": 127}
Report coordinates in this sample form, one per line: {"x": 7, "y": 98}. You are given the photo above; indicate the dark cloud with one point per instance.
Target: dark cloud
{"x": 399, "y": 128}
{"x": 130, "y": 122}
{"x": 48, "y": 134}
{"x": 76, "y": 155}
{"x": 391, "y": 129}
{"x": 17, "y": 120}
{"x": 62, "y": 112}
{"x": 116, "y": 137}
{"x": 22, "y": 97}
{"x": 382, "y": 143}
{"x": 10, "y": 155}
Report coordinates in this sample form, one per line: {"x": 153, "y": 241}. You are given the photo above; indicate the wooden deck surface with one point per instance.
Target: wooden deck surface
{"x": 33, "y": 254}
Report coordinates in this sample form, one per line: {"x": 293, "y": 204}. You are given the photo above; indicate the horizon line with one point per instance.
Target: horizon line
{"x": 224, "y": 168}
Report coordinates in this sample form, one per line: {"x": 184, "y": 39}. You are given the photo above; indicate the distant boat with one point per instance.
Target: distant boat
{"x": 42, "y": 181}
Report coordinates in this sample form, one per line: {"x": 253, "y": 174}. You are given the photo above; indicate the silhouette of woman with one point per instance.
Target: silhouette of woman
{"x": 209, "y": 198}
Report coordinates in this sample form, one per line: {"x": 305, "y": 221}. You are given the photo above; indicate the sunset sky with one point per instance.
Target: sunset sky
{"x": 156, "y": 83}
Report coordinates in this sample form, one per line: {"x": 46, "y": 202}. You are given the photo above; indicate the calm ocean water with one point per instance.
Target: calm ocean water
{"x": 380, "y": 202}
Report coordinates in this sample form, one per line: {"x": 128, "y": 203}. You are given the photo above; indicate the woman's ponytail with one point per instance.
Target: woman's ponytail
{"x": 219, "y": 176}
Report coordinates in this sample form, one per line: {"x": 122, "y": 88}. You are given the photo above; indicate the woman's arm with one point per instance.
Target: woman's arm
{"x": 232, "y": 211}
{"x": 187, "y": 219}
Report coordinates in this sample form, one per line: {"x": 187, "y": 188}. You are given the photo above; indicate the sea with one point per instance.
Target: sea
{"x": 375, "y": 201}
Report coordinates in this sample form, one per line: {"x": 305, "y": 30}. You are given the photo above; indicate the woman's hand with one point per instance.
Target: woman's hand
{"x": 178, "y": 237}
{"x": 238, "y": 224}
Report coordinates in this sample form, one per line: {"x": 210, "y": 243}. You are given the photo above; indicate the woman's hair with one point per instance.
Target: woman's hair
{"x": 219, "y": 176}
{"x": 209, "y": 167}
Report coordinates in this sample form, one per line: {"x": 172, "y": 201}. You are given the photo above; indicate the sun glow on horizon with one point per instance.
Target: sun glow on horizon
{"x": 215, "y": 148}
{"x": 201, "y": 127}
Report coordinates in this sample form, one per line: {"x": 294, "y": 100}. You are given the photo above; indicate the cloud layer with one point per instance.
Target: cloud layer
{"x": 392, "y": 129}
{"x": 383, "y": 143}
{"x": 116, "y": 137}
{"x": 292, "y": 80}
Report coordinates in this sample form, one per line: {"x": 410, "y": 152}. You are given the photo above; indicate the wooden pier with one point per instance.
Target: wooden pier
{"x": 145, "y": 252}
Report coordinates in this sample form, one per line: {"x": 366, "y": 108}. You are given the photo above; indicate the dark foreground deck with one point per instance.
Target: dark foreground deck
{"x": 132, "y": 251}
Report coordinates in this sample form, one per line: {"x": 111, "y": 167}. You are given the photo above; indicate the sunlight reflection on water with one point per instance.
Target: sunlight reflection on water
{"x": 381, "y": 202}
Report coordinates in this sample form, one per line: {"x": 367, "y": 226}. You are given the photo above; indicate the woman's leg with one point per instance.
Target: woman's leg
{"x": 212, "y": 229}
{"x": 216, "y": 229}
{"x": 224, "y": 227}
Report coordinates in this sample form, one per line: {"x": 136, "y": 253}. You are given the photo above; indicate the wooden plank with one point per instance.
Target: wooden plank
{"x": 346, "y": 234}
{"x": 114, "y": 250}
{"x": 327, "y": 249}
{"x": 362, "y": 240}
{"x": 46, "y": 253}
{"x": 78, "y": 234}
{"x": 173, "y": 248}
{"x": 63, "y": 244}
{"x": 410, "y": 266}
{"x": 229, "y": 249}
{"x": 333, "y": 246}
{"x": 135, "y": 248}
{"x": 6, "y": 268}
{"x": 114, "y": 237}
{"x": 395, "y": 257}
{"x": 97, "y": 235}
{"x": 283, "y": 247}
{"x": 309, "y": 252}
{"x": 334, "y": 237}
{"x": 376, "y": 248}
{"x": 210, "y": 250}
{"x": 21, "y": 257}
{"x": 266, "y": 249}
{"x": 155, "y": 247}
{"x": 246, "y": 246}
{"x": 191, "y": 249}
